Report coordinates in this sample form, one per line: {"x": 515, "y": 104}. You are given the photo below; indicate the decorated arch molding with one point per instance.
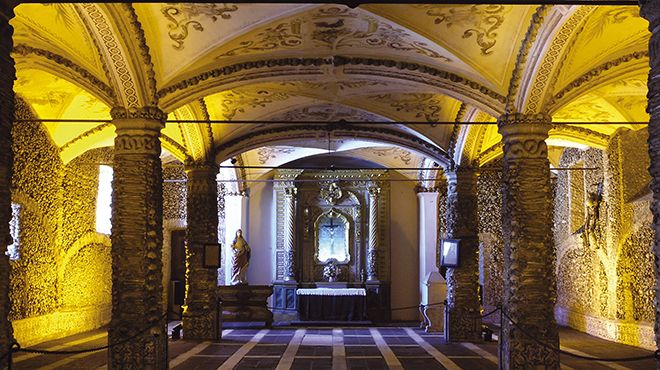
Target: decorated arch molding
{"x": 125, "y": 55}
{"x": 283, "y": 134}
{"x": 541, "y": 75}
{"x": 197, "y": 138}
{"x": 227, "y": 77}
{"x": 629, "y": 65}
{"x": 30, "y": 57}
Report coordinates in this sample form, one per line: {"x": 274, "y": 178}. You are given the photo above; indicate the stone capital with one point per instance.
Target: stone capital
{"x": 200, "y": 167}
{"x": 374, "y": 192}
{"x": 144, "y": 113}
{"x": 290, "y": 191}
{"x": 524, "y": 135}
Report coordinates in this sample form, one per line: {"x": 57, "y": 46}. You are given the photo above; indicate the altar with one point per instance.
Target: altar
{"x": 332, "y": 304}
{"x": 332, "y": 247}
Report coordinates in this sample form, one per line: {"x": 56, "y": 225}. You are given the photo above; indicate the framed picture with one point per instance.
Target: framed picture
{"x": 212, "y": 259}
{"x": 449, "y": 252}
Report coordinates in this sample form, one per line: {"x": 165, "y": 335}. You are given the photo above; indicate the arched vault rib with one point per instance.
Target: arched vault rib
{"x": 283, "y": 134}
{"x": 121, "y": 43}
{"x": 28, "y": 57}
{"x": 228, "y": 77}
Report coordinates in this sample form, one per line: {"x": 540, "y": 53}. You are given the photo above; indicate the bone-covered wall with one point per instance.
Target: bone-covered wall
{"x": 604, "y": 239}
{"x": 60, "y": 284}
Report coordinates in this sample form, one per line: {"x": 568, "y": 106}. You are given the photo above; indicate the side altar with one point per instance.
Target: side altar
{"x": 332, "y": 246}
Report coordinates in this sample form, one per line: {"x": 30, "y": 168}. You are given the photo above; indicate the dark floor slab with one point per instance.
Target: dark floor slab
{"x": 409, "y": 351}
{"x": 314, "y": 351}
{"x": 218, "y": 349}
{"x": 362, "y": 351}
{"x": 93, "y": 361}
{"x": 422, "y": 364}
{"x": 319, "y": 331}
{"x": 267, "y": 350}
{"x": 245, "y": 331}
{"x": 201, "y": 363}
{"x": 356, "y": 332}
{"x": 474, "y": 363}
{"x": 392, "y": 331}
{"x": 399, "y": 340}
{"x": 453, "y": 349}
{"x": 276, "y": 339}
{"x": 359, "y": 340}
{"x": 257, "y": 363}
{"x": 312, "y": 364}
{"x": 236, "y": 339}
{"x": 366, "y": 364}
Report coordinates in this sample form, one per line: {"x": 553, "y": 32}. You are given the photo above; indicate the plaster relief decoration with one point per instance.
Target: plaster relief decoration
{"x": 396, "y": 153}
{"x": 183, "y": 16}
{"x": 328, "y": 112}
{"x": 267, "y": 153}
{"x": 481, "y": 21}
{"x": 334, "y": 28}
{"x": 424, "y": 106}
{"x": 237, "y": 101}
{"x": 615, "y": 16}
{"x": 331, "y": 194}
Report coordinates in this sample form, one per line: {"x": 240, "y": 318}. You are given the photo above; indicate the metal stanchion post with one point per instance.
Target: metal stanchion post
{"x": 499, "y": 339}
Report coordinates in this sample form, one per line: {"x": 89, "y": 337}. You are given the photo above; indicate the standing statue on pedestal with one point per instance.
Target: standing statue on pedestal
{"x": 240, "y": 259}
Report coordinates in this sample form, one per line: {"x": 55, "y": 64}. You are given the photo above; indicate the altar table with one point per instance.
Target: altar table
{"x": 332, "y": 304}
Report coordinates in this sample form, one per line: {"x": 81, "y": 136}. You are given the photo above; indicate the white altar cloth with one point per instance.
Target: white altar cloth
{"x": 332, "y": 291}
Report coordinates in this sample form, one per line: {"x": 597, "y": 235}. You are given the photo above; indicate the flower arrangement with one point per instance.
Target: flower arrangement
{"x": 331, "y": 270}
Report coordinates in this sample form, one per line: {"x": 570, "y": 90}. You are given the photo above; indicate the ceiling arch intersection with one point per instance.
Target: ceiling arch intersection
{"x": 320, "y": 133}
{"x": 357, "y": 68}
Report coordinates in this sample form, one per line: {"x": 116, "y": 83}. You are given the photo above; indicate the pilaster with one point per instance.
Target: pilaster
{"x": 7, "y": 77}
{"x": 137, "y": 242}
{"x": 200, "y": 320}
{"x": 372, "y": 242}
{"x": 529, "y": 276}
{"x": 290, "y": 193}
{"x": 463, "y": 321}
{"x": 650, "y": 9}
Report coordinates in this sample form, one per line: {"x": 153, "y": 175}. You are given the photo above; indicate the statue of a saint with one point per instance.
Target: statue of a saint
{"x": 240, "y": 259}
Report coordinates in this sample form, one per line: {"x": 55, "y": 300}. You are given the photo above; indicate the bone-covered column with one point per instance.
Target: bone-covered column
{"x": 7, "y": 77}
{"x": 137, "y": 242}
{"x": 372, "y": 242}
{"x": 463, "y": 308}
{"x": 200, "y": 320}
{"x": 651, "y": 11}
{"x": 529, "y": 274}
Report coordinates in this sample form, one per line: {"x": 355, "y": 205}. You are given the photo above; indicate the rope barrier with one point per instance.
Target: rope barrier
{"x": 655, "y": 355}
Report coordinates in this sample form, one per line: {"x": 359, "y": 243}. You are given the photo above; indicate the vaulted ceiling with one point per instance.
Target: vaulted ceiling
{"x": 327, "y": 62}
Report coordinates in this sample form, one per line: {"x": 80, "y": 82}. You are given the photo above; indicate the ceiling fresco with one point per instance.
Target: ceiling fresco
{"x": 435, "y": 63}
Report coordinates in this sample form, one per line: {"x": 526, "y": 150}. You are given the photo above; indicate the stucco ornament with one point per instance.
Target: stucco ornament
{"x": 331, "y": 194}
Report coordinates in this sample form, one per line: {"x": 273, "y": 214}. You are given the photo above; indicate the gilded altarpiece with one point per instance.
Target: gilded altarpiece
{"x": 338, "y": 200}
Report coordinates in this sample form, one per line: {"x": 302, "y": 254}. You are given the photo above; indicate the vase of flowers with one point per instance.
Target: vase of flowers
{"x": 331, "y": 270}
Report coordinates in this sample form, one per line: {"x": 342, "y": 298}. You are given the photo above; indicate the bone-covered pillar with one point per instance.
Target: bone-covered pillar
{"x": 651, "y": 11}
{"x": 7, "y": 77}
{"x": 463, "y": 323}
{"x": 372, "y": 242}
{"x": 529, "y": 275}
{"x": 137, "y": 242}
{"x": 290, "y": 193}
{"x": 200, "y": 316}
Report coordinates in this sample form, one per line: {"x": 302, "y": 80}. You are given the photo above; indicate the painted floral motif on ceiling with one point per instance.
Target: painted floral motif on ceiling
{"x": 481, "y": 21}
{"x": 182, "y": 17}
{"x": 335, "y": 28}
{"x": 333, "y": 85}
{"x": 585, "y": 111}
{"x": 238, "y": 101}
{"x": 397, "y": 153}
{"x": 423, "y": 106}
{"x": 267, "y": 153}
{"x": 327, "y": 112}
{"x": 610, "y": 17}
